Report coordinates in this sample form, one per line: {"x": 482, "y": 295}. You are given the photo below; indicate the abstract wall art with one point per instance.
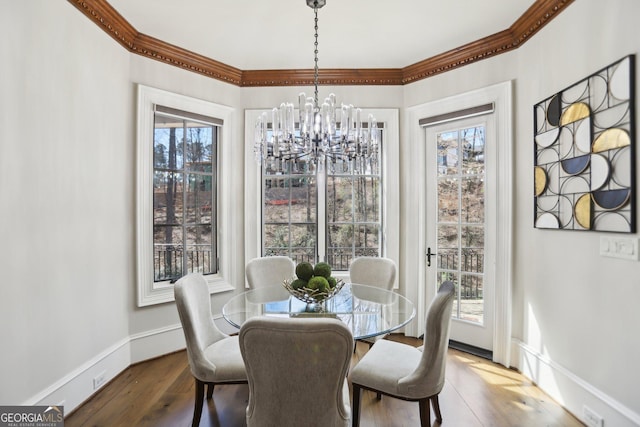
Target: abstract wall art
{"x": 584, "y": 151}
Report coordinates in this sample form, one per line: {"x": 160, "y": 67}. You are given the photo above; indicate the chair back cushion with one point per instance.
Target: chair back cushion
{"x": 194, "y": 308}
{"x": 373, "y": 271}
{"x": 271, "y": 270}
{"x": 428, "y": 378}
{"x": 297, "y": 371}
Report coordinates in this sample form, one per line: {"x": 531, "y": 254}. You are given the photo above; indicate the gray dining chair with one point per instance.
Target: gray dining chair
{"x": 269, "y": 270}
{"x": 297, "y": 371}
{"x": 373, "y": 271}
{"x": 214, "y": 357}
{"x": 405, "y": 372}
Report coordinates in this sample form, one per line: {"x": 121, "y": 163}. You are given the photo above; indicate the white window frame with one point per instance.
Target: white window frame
{"x": 150, "y": 292}
{"x": 390, "y": 187}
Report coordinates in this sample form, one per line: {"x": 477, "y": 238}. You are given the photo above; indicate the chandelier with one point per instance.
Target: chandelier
{"x": 320, "y": 136}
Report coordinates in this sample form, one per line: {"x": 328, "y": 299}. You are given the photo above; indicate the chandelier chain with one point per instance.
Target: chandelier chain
{"x": 315, "y": 52}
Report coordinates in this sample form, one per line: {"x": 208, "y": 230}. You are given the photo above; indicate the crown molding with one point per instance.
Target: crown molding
{"x": 157, "y": 49}
{"x": 106, "y": 17}
{"x": 326, "y": 76}
{"x": 114, "y": 24}
{"x": 536, "y": 17}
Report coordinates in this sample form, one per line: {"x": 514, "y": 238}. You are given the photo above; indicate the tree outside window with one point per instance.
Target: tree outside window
{"x": 184, "y": 153}
{"x": 299, "y": 204}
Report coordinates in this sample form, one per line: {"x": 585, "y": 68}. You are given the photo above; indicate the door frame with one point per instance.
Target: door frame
{"x": 501, "y": 96}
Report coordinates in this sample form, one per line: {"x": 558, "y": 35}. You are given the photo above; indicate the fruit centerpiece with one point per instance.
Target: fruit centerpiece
{"x": 313, "y": 284}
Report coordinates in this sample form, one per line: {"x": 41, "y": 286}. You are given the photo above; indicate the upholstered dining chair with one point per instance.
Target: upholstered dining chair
{"x": 373, "y": 271}
{"x": 214, "y": 357}
{"x": 270, "y": 270}
{"x": 405, "y": 372}
{"x": 297, "y": 371}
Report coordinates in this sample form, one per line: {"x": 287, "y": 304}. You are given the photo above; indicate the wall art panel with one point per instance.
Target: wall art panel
{"x": 584, "y": 151}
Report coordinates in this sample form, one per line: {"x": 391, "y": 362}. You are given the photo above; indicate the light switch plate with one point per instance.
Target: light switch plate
{"x": 619, "y": 247}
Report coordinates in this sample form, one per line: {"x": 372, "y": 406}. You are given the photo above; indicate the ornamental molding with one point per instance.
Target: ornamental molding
{"x": 109, "y": 20}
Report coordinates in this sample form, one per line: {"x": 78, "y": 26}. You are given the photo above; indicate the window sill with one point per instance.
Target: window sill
{"x": 162, "y": 292}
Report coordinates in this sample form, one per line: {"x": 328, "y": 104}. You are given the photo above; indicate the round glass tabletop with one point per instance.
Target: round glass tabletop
{"x": 367, "y": 310}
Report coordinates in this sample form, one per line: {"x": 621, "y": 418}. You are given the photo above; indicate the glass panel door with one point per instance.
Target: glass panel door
{"x": 460, "y": 220}
{"x": 456, "y": 225}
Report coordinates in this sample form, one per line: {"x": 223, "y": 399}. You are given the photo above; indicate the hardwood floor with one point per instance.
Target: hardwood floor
{"x": 160, "y": 392}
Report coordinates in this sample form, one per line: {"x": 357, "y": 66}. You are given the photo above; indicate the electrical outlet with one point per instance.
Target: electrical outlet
{"x": 591, "y": 418}
{"x": 99, "y": 380}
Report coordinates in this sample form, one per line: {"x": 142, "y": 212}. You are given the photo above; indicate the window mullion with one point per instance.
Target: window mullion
{"x": 263, "y": 198}
{"x": 185, "y": 186}
{"x": 214, "y": 198}
{"x": 289, "y": 217}
{"x": 353, "y": 215}
{"x": 460, "y": 175}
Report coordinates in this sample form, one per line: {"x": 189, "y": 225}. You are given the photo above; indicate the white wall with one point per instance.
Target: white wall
{"x": 67, "y": 208}
{"x": 66, "y": 205}
{"x": 155, "y": 329}
{"x": 575, "y": 316}
{"x": 579, "y": 309}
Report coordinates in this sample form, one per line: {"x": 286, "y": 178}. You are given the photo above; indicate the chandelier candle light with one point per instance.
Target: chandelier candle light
{"x": 326, "y": 136}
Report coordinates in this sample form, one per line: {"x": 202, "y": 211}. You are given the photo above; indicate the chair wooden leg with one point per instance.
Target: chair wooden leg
{"x": 425, "y": 414}
{"x": 210, "y": 387}
{"x": 436, "y": 408}
{"x": 197, "y": 411}
{"x": 355, "y": 413}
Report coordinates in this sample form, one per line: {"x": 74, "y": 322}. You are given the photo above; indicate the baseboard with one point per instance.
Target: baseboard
{"x": 74, "y": 388}
{"x": 154, "y": 343}
{"x": 569, "y": 390}
{"x": 78, "y": 386}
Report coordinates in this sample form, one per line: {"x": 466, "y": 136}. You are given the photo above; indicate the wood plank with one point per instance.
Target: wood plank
{"x": 477, "y": 392}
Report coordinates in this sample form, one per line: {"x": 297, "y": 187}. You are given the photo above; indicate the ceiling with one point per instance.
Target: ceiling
{"x": 354, "y": 34}
{"x": 271, "y": 43}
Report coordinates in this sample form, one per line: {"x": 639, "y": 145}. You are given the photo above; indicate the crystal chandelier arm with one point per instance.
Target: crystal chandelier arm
{"x": 302, "y": 100}
{"x": 275, "y": 130}
{"x": 358, "y": 125}
{"x": 308, "y": 120}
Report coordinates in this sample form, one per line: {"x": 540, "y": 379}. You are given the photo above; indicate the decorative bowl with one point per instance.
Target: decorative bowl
{"x": 312, "y": 296}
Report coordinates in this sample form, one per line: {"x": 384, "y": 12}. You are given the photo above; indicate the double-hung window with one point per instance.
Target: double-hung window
{"x": 329, "y": 214}
{"x": 181, "y": 203}
{"x": 184, "y": 193}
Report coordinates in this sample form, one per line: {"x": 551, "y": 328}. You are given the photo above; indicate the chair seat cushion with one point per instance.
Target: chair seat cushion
{"x": 225, "y": 356}
{"x": 384, "y": 364}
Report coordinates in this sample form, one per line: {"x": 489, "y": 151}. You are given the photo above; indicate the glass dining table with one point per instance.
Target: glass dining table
{"x": 367, "y": 310}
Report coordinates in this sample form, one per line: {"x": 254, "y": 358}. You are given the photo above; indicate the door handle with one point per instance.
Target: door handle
{"x": 429, "y": 253}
